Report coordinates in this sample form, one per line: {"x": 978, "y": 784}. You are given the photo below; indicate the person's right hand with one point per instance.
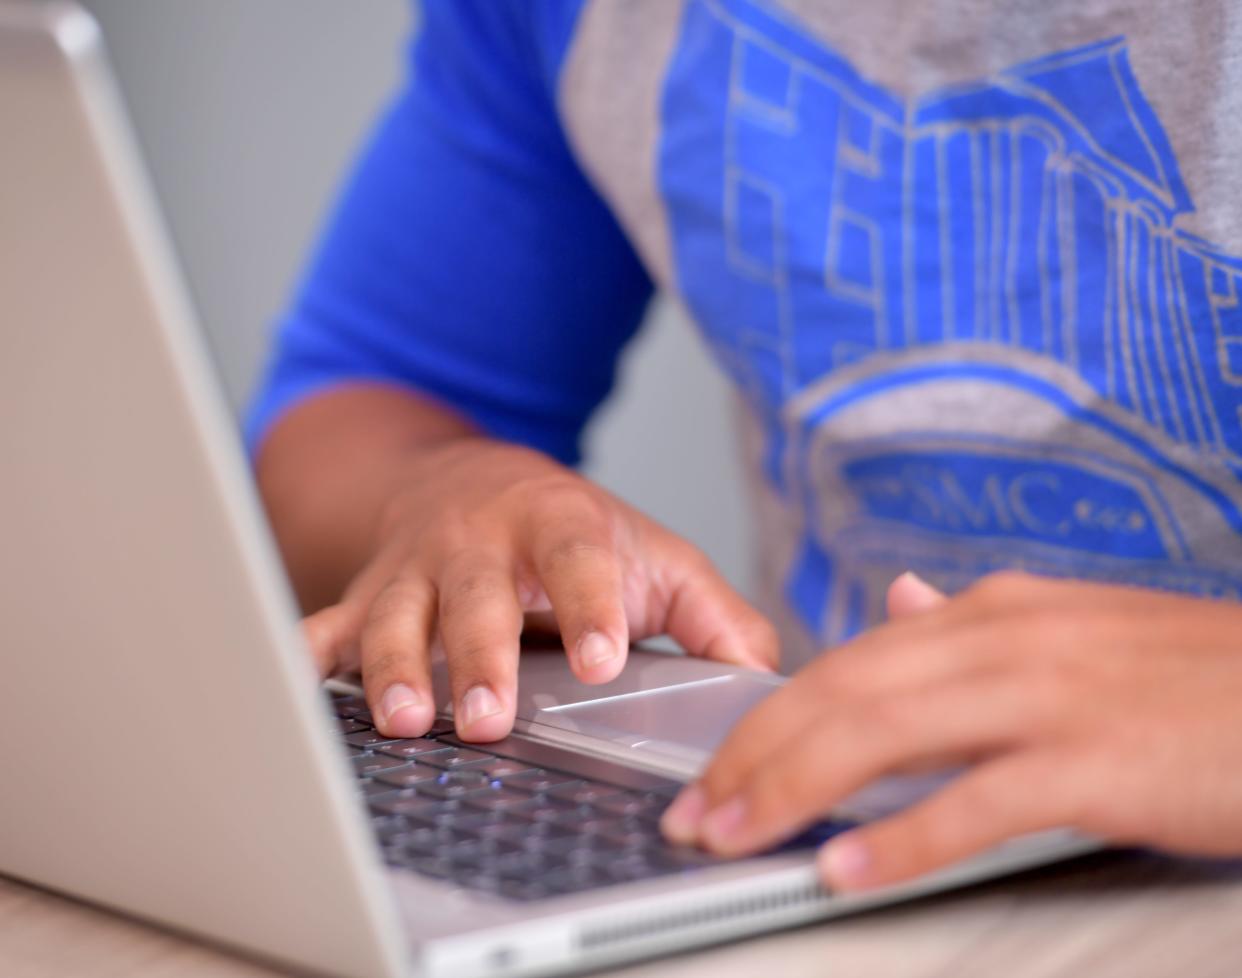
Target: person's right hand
{"x": 482, "y": 532}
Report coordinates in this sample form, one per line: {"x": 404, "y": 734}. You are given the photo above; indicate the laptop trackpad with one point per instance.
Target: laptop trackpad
{"x": 687, "y": 718}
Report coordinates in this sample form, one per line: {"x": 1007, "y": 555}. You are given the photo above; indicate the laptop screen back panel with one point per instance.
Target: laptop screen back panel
{"x": 165, "y": 748}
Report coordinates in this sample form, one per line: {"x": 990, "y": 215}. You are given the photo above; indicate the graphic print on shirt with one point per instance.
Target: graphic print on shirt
{"x": 968, "y": 321}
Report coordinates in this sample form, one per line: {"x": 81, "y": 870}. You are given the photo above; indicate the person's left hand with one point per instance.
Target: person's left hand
{"x": 1113, "y": 710}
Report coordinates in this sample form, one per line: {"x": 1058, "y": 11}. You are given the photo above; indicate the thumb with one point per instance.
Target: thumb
{"x": 911, "y": 595}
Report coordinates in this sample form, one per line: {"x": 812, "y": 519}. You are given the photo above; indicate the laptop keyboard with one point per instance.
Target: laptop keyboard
{"x": 506, "y": 819}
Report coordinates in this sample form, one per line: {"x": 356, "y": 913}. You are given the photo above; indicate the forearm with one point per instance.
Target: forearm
{"x": 328, "y": 467}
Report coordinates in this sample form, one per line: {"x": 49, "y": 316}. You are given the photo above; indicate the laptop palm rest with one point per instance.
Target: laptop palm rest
{"x": 695, "y": 715}
{"x": 667, "y": 712}
{"x": 671, "y": 706}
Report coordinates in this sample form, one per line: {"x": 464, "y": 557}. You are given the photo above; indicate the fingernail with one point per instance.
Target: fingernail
{"x": 398, "y": 698}
{"x": 680, "y": 821}
{"x": 846, "y": 862}
{"x": 479, "y": 702}
{"x": 923, "y": 593}
{"x": 594, "y": 649}
{"x": 722, "y": 824}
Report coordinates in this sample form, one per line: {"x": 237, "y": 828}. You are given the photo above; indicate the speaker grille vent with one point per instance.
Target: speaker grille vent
{"x": 664, "y": 922}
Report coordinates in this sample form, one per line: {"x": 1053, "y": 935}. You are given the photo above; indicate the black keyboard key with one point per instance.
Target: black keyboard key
{"x": 682, "y": 857}
{"x": 428, "y": 843}
{"x": 382, "y": 800}
{"x": 502, "y": 768}
{"x": 433, "y": 866}
{"x": 484, "y": 823}
{"x": 412, "y": 748}
{"x": 440, "y": 727}
{"x": 408, "y": 776}
{"x": 500, "y": 799}
{"x": 348, "y": 726}
{"x": 552, "y": 811}
{"x": 540, "y": 781}
{"x": 433, "y": 837}
{"x": 369, "y": 788}
{"x": 368, "y": 739}
{"x": 390, "y": 829}
{"x": 644, "y": 806}
{"x": 434, "y": 789}
{"x": 367, "y": 764}
{"x": 630, "y": 837}
{"x": 453, "y": 757}
{"x": 444, "y": 813}
{"x": 590, "y": 823}
{"x": 583, "y": 793}
{"x": 465, "y": 775}
{"x": 413, "y": 805}
{"x": 482, "y": 851}
{"x": 348, "y": 706}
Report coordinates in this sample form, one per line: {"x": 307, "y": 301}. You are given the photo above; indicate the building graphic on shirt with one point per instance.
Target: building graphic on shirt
{"x": 1007, "y": 251}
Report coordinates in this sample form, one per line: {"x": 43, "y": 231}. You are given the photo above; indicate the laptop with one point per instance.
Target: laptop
{"x": 168, "y": 749}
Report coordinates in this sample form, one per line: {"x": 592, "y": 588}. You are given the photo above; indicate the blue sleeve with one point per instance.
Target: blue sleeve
{"x": 468, "y": 258}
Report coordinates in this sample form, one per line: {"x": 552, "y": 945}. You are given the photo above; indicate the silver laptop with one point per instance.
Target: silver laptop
{"x": 167, "y": 749}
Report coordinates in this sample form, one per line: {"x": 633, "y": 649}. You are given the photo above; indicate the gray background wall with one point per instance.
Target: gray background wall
{"x": 249, "y": 112}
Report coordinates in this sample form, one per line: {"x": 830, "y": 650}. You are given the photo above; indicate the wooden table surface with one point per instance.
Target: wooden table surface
{"x": 1114, "y": 915}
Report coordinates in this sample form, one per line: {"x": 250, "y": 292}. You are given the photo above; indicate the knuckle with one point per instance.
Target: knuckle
{"x": 551, "y": 493}
{"x": 467, "y": 650}
{"x": 572, "y": 552}
{"x": 452, "y": 532}
{"x": 886, "y": 718}
{"x": 1000, "y": 588}
{"x": 778, "y": 792}
{"x": 689, "y": 557}
{"x": 1099, "y": 812}
{"x": 488, "y": 627}
{"x": 477, "y": 654}
{"x": 465, "y": 598}
{"x": 759, "y": 633}
{"x": 840, "y": 667}
{"x": 324, "y": 627}
{"x": 468, "y": 591}
{"x": 391, "y": 630}
{"x": 729, "y": 769}
{"x": 982, "y": 799}
{"x": 908, "y": 841}
{"x": 576, "y": 505}
{"x": 383, "y": 661}
{"x": 724, "y": 775}
{"x": 392, "y": 603}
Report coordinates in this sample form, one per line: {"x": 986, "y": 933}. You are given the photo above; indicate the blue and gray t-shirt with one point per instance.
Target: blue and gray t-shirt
{"x": 970, "y": 263}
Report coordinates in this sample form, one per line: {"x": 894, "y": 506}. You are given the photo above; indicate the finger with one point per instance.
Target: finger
{"x": 396, "y": 673}
{"x": 579, "y": 569}
{"x": 331, "y": 635}
{"x": 987, "y": 805}
{"x": 710, "y": 619}
{"x": 847, "y": 750}
{"x": 480, "y": 625}
{"x": 916, "y": 655}
{"x": 909, "y": 595}
{"x": 333, "y": 632}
